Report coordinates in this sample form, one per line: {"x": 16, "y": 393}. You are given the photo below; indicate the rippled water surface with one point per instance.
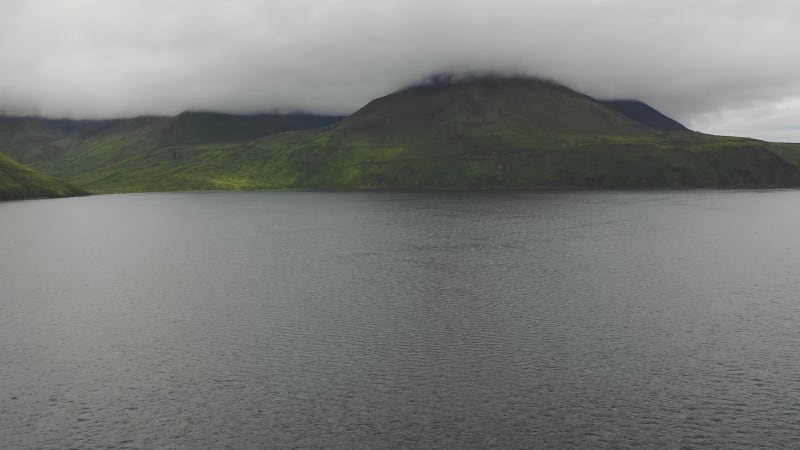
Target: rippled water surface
{"x": 367, "y": 320}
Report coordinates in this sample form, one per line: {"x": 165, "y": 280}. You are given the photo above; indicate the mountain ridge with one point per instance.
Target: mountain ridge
{"x": 447, "y": 133}
{"x": 645, "y": 114}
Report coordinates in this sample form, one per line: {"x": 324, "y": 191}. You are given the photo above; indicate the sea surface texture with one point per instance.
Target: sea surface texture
{"x": 385, "y": 320}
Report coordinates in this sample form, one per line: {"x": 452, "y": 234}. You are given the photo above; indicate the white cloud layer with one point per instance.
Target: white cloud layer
{"x": 722, "y": 66}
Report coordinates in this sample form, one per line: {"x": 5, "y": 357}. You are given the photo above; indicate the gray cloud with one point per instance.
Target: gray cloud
{"x": 723, "y": 66}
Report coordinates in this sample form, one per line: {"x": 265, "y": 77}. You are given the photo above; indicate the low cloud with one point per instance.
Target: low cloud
{"x": 725, "y": 66}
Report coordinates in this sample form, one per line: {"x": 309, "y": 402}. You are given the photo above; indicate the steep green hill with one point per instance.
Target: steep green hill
{"x": 645, "y": 114}
{"x": 31, "y": 139}
{"x": 515, "y": 133}
{"x": 478, "y": 133}
{"x": 45, "y": 142}
{"x": 489, "y": 106}
{"x": 19, "y": 182}
{"x": 209, "y": 127}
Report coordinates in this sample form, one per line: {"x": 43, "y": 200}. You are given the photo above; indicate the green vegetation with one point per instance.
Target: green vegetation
{"x": 483, "y": 133}
{"x": 19, "y": 182}
{"x": 644, "y": 113}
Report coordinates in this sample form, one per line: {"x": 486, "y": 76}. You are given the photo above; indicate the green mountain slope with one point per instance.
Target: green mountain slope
{"x": 210, "y": 127}
{"x": 42, "y": 142}
{"x": 19, "y": 182}
{"x": 645, "y": 114}
{"x": 480, "y": 133}
{"x": 31, "y": 139}
{"x": 489, "y": 106}
{"x": 516, "y": 133}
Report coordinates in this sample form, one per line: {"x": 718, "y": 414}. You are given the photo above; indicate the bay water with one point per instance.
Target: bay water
{"x": 386, "y": 320}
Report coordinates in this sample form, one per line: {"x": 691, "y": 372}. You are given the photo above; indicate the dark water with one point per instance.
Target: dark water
{"x": 502, "y": 320}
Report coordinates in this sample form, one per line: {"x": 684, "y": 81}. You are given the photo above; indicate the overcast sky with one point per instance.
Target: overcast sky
{"x": 719, "y": 66}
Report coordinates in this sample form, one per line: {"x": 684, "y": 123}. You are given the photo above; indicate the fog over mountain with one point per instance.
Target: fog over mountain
{"x": 718, "y": 66}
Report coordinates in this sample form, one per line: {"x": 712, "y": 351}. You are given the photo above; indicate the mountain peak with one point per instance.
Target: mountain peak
{"x": 495, "y": 103}
{"x": 450, "y": 79}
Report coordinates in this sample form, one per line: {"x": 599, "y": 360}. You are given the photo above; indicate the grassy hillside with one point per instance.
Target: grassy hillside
{"x": 30, "y": 139}
{"x": 483, "y": 133}
{"x": 678, "y": 160}
{"x": 46, "y": 142}
{"x": 487, "y": 133}
{"x": 208, "y": 127}
{"x": 487, "y": 106}
{"x": 19, "y": 182}
{"x": 645, "y": 114}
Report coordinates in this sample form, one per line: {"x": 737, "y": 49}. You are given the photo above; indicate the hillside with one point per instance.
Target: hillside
{"x": 513, "y": 133}
{"x": 209, "y": 127}
{"x": 474, "y": 133}
{"x": 20, "y": 182}
{"x": 493, "y": 106}
{"x": 43, "y": 142}
{"x": 645, "y": 114}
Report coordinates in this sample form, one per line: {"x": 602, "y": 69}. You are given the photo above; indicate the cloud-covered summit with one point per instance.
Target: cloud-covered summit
{"x": 720, "y": 66}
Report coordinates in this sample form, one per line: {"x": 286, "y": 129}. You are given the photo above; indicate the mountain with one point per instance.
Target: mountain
{"x": 644, "y": 114}
{"x": 493, "y": 105}
{"x": 446, "y": 133}
{"x": 20, "y": 182}
{"x": 35, "y": 140}
{"x": 507, "y": 133}
{"x": 30, "y": 139}
{"x": 209, "y": 127}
